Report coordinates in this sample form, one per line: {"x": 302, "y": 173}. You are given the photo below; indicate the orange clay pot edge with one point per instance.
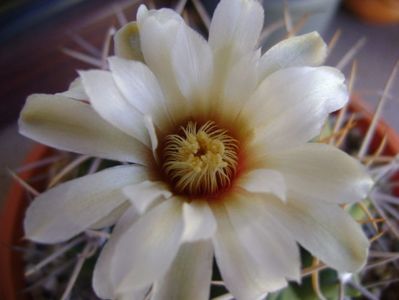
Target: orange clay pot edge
{"x": 392, "y": 146}
{"x": 11, "y": 275}
{"x": 374, "y": 11}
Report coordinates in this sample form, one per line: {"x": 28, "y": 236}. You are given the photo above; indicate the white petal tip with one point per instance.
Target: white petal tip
{"x": 142, "y": 12}
{"x": 345, "y": 277}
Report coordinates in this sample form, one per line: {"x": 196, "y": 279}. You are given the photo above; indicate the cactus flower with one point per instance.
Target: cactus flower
{"x": 215, "y": 138}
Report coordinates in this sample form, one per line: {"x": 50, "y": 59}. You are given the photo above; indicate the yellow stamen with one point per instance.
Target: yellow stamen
{"x": 200, "y": 161}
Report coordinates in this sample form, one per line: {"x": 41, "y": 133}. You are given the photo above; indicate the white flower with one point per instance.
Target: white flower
{"x": 219, "y": 137}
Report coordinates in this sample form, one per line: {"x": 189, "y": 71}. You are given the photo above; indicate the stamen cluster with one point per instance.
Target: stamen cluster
{"x": 200, "y": 161}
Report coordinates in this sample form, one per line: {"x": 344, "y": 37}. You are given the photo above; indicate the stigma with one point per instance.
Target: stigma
{"x": 200, "y": 160}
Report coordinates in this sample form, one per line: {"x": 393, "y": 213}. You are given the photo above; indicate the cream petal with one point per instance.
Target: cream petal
{"x": 304, "y": 50}
{"x": 265, "y": 181}
{"x": 142, "y": 13}
{"x": 237, "y": 25}
{"x": 74, "y": 126}
{"x": 75, "y": 90}
{"x": 109, "y": 103}
{"x": 193, "y": 64}
{"x": 241, "y": 81}
{"x": 199, "y": 221}
{"x": 71, "y": 207}
{"x": 269, "y": 243}
{"x": 112, "y": 217}
{"x": 146, "y": 193}
{"x": 233, "y": 34}
{"x": 290, "y": 106}
{"x": 243, "y": 274}
{"x": 140, "y": 88}
{"x": 163, "y": 15}
{"x": 140, "y": 294}
{"x": 149, "y": 126}
{"x": 321, "y": 172}
{"x": 325, "y": 230}
{"x": 102, "y": 283}
{"x": 190, "y": 274}
{"x": 158, "y": 30}
{"x": 150, "y": 245}
{"x": 127, "y": 42}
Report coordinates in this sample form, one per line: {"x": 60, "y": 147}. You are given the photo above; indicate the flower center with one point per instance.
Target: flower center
{"x": 200, "y": 161}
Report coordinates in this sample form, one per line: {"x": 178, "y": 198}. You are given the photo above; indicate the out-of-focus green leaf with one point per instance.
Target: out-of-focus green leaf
{"x": 357, "y": 212}
{"x": 285, "y": 294}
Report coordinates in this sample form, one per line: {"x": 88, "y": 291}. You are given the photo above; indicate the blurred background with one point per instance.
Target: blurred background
{"x": 38, "y": 38}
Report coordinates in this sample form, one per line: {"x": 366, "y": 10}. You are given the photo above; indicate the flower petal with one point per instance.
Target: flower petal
{"x": 190, "y": 274}
{"x": 150, "y": 245}
{"x": 322, "y": 172}
{"x": 233, "y": 34}
{"x": 109, "y": 103}
{"x": 290, "y": 106}
{"x": 325, "y": 230}
{"x": 244, "y": 275}
{"x": 265, "y": 181}
{"x": 149, "y": 126}
{"x": 140, "y": 88}
{"x": 158, "y": 29}
{"x": 264, "y": 237}
{"x": 199, "y": 222}
{"x": 74, "y": 126}
{"x": 71, "y": 207}
{"x": 304, "y": 50}
{"x": 75, "y": 91}
{"x": 102, "y": 283}
{"x": 112, "y": 217}
{"x": 134, "y": 294}
{"x": 144, "y": 194}
{"x": 236, "y": 24}
{"x": 241, "y": 81}
{"x": 193, "y": 64}
{"x": 127, "y": 42}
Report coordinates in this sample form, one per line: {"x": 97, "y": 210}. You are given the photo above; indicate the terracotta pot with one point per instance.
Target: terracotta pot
{"x": 375, "y": 11}
{"x": 383, "y": 129}
{"x": 11, "y": 275}
{"x": 392, "y": 146}
{"x": 11, "y": 233}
